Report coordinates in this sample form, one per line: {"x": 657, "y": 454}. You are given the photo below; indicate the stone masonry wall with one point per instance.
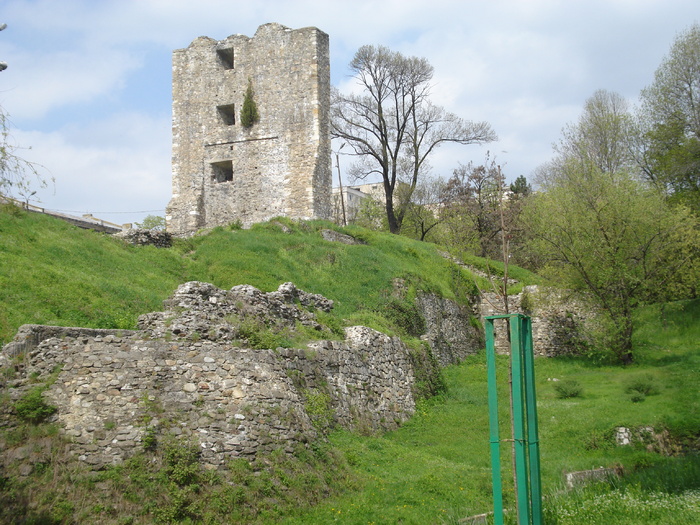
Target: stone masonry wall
{"x": 450, "y": 329}
{"x": 223, "y": 172}
{"x": 557, "y": 320}
{"x": 116, "y": 390}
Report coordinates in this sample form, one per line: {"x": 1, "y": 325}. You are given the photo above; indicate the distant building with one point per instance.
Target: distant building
{"x": 353, "y": 197}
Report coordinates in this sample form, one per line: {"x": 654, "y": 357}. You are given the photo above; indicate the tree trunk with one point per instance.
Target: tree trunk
{"x": 624, "y": 338}
{"x": 394, "y": 224}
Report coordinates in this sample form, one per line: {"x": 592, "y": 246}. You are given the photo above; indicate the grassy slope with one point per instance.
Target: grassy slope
{"x": 54, "y": 273}
{"x": 434, "y": 469}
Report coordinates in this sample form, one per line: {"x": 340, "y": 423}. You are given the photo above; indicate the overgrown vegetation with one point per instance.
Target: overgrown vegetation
{"x": 32, "y": 407}
{"x": 168, "y": 484}
{"x": 435, "y": 469}
{"x": 568, "y": 388}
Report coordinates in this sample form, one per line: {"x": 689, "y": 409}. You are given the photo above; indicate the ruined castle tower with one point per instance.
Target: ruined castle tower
{"x": 281, "y": 166}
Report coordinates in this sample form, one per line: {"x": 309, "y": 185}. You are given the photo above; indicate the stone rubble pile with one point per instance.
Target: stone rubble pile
{"x": 142, "y": 237}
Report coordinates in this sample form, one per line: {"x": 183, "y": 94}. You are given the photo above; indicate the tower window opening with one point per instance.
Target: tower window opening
{"x": 225, "y": 57}
{"x": 227, "y": 114}
{"x": 222, "y": 171}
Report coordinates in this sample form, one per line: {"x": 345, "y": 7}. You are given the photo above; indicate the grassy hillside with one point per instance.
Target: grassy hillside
{"x": 435, "y": 469}
{"x": 54, "y": 273}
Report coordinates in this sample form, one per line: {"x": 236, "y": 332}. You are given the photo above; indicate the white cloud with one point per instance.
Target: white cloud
{"x": 118, "y": 165}
{"x": 63, "y": 78}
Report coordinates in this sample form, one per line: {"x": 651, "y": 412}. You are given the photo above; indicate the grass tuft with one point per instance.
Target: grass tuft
{"x": 568, "y": 388}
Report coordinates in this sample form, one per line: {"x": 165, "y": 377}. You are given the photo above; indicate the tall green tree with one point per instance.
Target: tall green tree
{"x": 603, "y": 230}
{"x": 153, "y": 222}
{"x": 670, "y": 121}
{"x": 615, "y": 240}
{"x": 392, "y": 126}
{"x": 520, "y": 187}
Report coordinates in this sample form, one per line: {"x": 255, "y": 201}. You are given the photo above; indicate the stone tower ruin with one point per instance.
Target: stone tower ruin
{"x": 224, "y": 172}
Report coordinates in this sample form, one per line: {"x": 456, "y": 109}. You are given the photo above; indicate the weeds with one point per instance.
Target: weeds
{"x": 319, "y": 408}
{"x": 259, "y": 336}
{"x": 642, "y": 385}
{"x": 32, "y": 407}
{"x": 568, "y": 388}
{"x": 602, "y": 506}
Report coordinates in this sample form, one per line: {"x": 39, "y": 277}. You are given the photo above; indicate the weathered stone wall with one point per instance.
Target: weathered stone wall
{"x": 116, "y": 390}
{"x": 190, "y": 371}
{"x": 223, "y": 172}
{"x": 143, "y": 237}
{"x": 450, "y": 328}
{"x": 557, "y": 319}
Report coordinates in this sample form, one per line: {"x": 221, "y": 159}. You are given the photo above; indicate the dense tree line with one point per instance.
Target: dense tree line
{"x": 617, "y": 215}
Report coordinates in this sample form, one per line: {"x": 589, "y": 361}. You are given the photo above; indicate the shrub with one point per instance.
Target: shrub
{"x": 182, "y": 463}
{"x": 32, "y": 408}
{"x": 319, "y": 408}
{"x": 150, "y": 440}
{"x": 406, "y": 316}
{"x": 527, "y": 303}
{"x": 430, "y": 380}
{"x": 249, "y": 111}
{"x": 260, "y": 337}
{"x": 568, "y": 388}
{"x": 643, "y": 385}
{"x": 599, "y": 439}
{"x": 637, "y": 397}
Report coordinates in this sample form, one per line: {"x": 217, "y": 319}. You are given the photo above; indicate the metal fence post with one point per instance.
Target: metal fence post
{"x": 494, "y": 439}
{"x": 525, "y": 431}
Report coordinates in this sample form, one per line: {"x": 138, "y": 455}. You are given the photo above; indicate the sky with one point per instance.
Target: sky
{"x": 88, "y": 83}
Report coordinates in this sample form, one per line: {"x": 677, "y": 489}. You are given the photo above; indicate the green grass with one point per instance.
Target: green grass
{"x": 434, "y": 469}
{"x": 54, "y": 273}
{"x": 496, "y": 270}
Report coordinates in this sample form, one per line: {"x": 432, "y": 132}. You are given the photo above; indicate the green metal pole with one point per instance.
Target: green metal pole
{"x": 532, "y": 429}
{"x": 494, "y": 440}
{"x": 517, "y": 373}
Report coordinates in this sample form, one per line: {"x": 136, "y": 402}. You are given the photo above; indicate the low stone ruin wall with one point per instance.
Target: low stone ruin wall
{"x": 119, "y": 391}
{"x": 450, "y": 328}
{"x": 143, "y": 237}
{"x": 190, "y": 372}
{"x": 557, "y": 320}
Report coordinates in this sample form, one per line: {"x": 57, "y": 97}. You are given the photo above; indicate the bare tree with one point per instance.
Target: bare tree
{"x": 392, "y": 126}
{"x": 601, "y": 137}
{"x": 17, "y": 175}
{"x": 472, "y": 209}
